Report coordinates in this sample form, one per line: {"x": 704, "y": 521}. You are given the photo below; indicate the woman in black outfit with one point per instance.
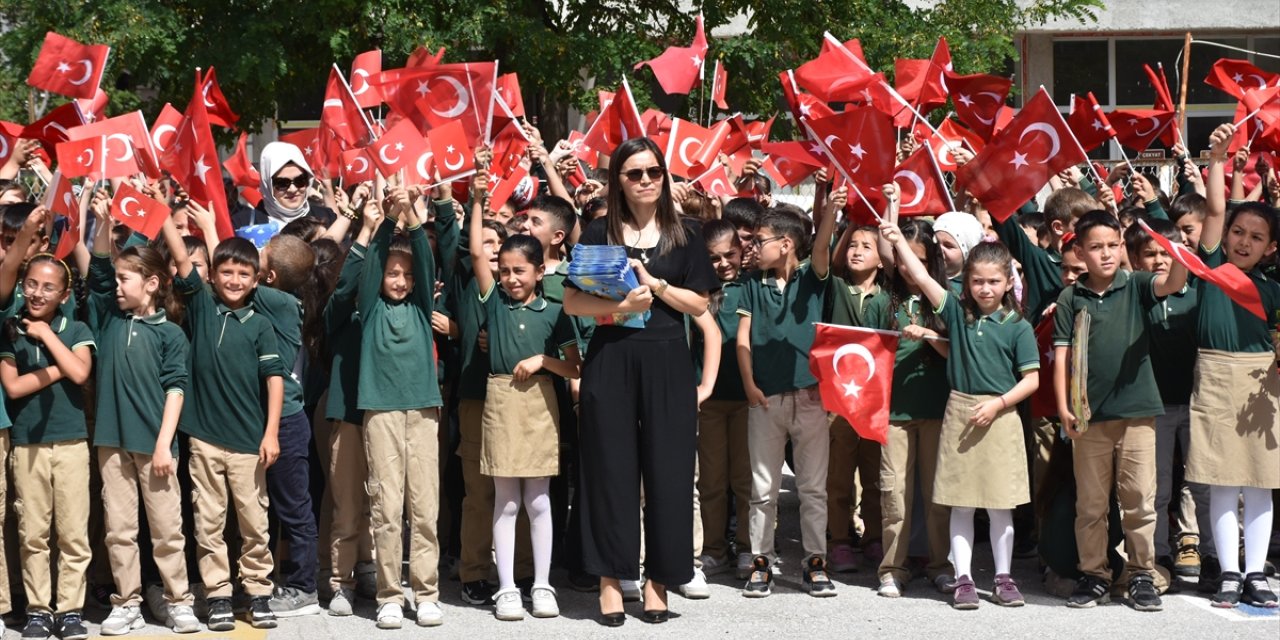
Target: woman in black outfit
{"x": 638, "y": 394}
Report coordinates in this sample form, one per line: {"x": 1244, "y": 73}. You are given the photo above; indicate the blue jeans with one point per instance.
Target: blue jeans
{"x": 289, "y": 484}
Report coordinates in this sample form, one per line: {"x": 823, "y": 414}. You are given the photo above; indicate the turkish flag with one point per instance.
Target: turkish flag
{"x": 138, "y": 211}
{"x": 94, "y": 108}
{"x": 501, "y": 188}
{"x": 509, "y": 149}
{"x": 240, "y": 168}
{"x": 423, "y": 58}
{"x": 508, "y": 88}
{"x": 423, "y": 165}
{"x": 1138, "y": 128}
{"x": 399, "y": 146}
{"x": 458, "y": 92}
{"x": 1234, "y": 76}
{"x": 192, "y": 158}
{"x": 619, "y": 121}
{"x": 685, "y": 145}
{"x": 1228, "y": 277}
{"x": 838, "y": 74}
{"x": 59, "y": 198}
{"x": 860, "y": 142}
{"x": 1014, "y": 166}
{"x": 165, "y": 128}
{"x": 854, "y": 368}
{"x": 215, "y": 102}
{"x": 1256, "y": 101}
{"x": 802, "y": 105}
{"x": 341, "y": 114}
{"x": 758, "y": 132}
{"x": 949, "y": 136}
{"x": 83, "y": 158}
{"x": 791, "y": 162}
{"x": 1044, "y": 402}
{"x": 978, "y": 99}
{"x": 920, "y": 184}
{"x": 364, "y": 67}
{"x": 719, "y": 84}
{"x": 1163, "y": 101}
{"x": 657, "y": 126}
{"x": 716, "y": 182}
{"x": 308, "y": 142}
{"x": 580, "y": 151}
{"x": 400, "y": 89}
{"x": 55, "y": 126}
{"x": 1087, "y": 121}
{"x": 10, "y": 133}
{"x": 69, "y": 68}
{"x": 679, "y": 68}
{"x": 453, "y": 157}
{"x": 128, "y": 143}
{"x": 356, "y": 167}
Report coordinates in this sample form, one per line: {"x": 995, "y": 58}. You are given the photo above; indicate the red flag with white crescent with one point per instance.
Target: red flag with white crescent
{"x": 453, "y": 157}
{"x": 1087, "y": 121}
{"x": 679, "y": 68}
{"x": 238, "y": 166}
{"x": 69, "y": 68}
{"x": 923, "y": 191}
{"x": 138, "y": 211}
{"x": 978, "y": 99}
{"x": 215, "y": 102}
{"x": 83, "y": 158}
{"x": 854, "y": 368}
{"x": 619, "y": 121}
{"x": 1228, "y": 277}
{"x": 55, "y": 126}
{"x": 363, "y": 68}
{"x": 399, "y": 146}
{"x": 128, "y": 144}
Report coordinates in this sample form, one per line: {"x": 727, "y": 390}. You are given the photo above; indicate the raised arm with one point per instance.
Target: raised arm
{"x": 915, "y": 270}
{"x": 475, "y": 236}
{"x": 17, "y": 253}
{"x": 821, "y": 259}
{"x": 1215, "y": 217}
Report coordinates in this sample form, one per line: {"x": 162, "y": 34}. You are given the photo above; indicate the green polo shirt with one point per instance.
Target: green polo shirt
{"x": 468, "y": 312}
{"x": 141, "y": 361}
{"x": 920, "y": 385}
{"x": 728, "y": 376}
{"x": 233, "y": 352}
{"x": 987, "y": 355}
{"x": 1042, "y": 268}
{"x": 521, "y": 330}
{"x": 1121, "y": 382}
{"x": 342, "y": 328}
{"x": 782, "y": 327}
{"x": 284, "y": 311}
{"x": 397, "y": 371}
{"x": 553, "y": 282}
{"x": 56, "y": 412}
{"x": 852, "y": 306}
{"x": 1172, "y": 326}
{"x": 1226, "y": 326}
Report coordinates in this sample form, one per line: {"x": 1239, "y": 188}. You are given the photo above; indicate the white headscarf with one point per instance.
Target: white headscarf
{"x": 274, "y": 158}
{"x": 963, "y": 227}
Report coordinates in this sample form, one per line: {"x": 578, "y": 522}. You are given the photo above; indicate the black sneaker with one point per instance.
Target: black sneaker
{"x": 1230, "y": 586}
{"x": 1257, "y": 591}
{"x": 71, "y": 626}
{"x": 1210, "y": 572}
{"x": 260, "y": 614}
{"x": 816, "y": 581}
{"x": 478, "y": 593}
{"x": 1143, "y": 595}
{"x": 760, "y": 584}
{"x": 39, "y": 626}
{"x": 1089, "y": 592}
{"x": 221, "y": 617}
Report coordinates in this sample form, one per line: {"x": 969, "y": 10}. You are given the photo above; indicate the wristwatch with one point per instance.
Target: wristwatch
{"x": 661, "y": 288}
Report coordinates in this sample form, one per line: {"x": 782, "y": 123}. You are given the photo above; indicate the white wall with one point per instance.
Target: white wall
{"x": 1174, "y": 16}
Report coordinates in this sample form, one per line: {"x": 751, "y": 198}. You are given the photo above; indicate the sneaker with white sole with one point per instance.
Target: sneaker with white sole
{"x": 712, "y": 565}
{"x": 181, "y": 618}
{"x": 696, "y": 589}
{"x": 544, "y": 602}
{"x": 429, "y": 614}
{"x": 340, "y": 603}
{"x": 221, "y": 617}
{"x": 261, "y": 615}
{"x": 744, "y": 565}
{"x": 889, "y": 587}
{"x": 390, "y": 615}
{"x": 760, "y": 584}
{"x": 632, "y": 590}
{"x": 508, "y": 605}
{"x": 290, "y": 602}
{"x": 122, "y": 620}
{"x": 816, "y": 580}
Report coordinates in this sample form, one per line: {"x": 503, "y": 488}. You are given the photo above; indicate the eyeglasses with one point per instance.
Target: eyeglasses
{"x": 31, "y": 287}
{"x": 760, "y": 242}
{"x": 655, "y": 173}
{"x": 298, "y": 182}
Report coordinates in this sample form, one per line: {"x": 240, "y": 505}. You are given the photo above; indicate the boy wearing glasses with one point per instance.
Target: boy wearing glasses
{"x": 778, "y": 307}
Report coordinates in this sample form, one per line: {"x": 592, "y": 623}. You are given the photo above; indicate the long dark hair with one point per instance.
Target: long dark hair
{"x": 148, "y": 262}
{"x": 994, "y": 253}
{"x": 917, "y": 230}
{"x": 672, "y": 232}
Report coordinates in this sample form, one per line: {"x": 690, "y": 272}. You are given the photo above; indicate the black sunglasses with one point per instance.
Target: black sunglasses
{"x": 299, "y": 182}
{"x": 655, "y": 173}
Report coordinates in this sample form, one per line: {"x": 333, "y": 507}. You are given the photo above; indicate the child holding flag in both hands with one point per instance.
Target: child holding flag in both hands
{"x": 992, "y": 346}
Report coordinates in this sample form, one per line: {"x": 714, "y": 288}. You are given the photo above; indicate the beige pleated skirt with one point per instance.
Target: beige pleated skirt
{"x": 980, "y": 467}
{"x": 520, "y": 430}
{"x": 1235, "y": 420}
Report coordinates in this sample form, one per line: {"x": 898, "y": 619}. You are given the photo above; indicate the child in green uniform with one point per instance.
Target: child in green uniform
{"x": 854, "y": 298}
{"x": 45, "y": 357}
{"x": 993, "y": 365}
{"x": 1117, "y": 451}
{"x": 1236, "y": 396}
{"x": 142, "y": 376}
{"x": 400, "y": 397}
{"x": 520, "y": 444}
{"x": 232, "y": 413}
{"x": 918, "y": 399}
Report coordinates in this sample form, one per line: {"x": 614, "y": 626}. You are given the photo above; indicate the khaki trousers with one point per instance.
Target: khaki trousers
{"x": 52, "y": 486}
{"x": 724, "y": 466}
{"x": 476, "y": 555}
{"x": 1119, "y": 454}
{"x": 403, "y": 456}
{"x": 122, "y": 473}
{"x": 220, "y": 477}
{"x": 910, "y": 455}
{"x": 350, "y": 537}
{"x": 6, "y": 605}
{"x": 799, "y": 415}
{"x": 852, "y": 453}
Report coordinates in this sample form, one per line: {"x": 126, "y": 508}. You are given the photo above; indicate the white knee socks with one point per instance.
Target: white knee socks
{"x": 1001, "y": 539}
{"x": 508, "y": 493}
{"x": 1223, "y": 506}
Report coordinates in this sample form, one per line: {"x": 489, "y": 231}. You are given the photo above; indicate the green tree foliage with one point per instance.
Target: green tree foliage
{"x": 272, "y": 57}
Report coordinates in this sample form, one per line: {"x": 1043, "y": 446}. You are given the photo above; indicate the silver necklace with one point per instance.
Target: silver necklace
{"x": 644, "y": 253}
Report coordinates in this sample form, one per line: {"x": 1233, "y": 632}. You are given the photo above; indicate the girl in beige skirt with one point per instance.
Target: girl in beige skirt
{"x": 993, "y": 365}
{"x": 520, "y": 443}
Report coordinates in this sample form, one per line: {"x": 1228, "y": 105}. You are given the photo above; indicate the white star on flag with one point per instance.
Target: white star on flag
{"x": 851, "y": 388}
{"x": 697, "y": 62}
{"x": 201, "y": 168}
{"x": 1238, "y": 78}
{"x": 804, "y": 109}
{"x": 857, "y": 150}
{"x": 965, "y": 100}
{"x": 63, "y": 67}
{"x": 1019, "y": 159}
{"x": 1097, "y": 125}
{"x": 448, "y": 149}
{"x": 422, "y": 89}
{"x": 399, "y": 146}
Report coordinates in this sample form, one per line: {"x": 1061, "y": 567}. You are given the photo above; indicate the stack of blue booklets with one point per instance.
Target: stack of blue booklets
{"x": 604, "y": 270}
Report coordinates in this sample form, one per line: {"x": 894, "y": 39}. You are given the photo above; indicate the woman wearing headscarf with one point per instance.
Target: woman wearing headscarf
{"x": 286, "y": 177}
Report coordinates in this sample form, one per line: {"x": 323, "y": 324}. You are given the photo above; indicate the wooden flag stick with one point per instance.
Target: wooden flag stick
{"x": 1182, "y": 91}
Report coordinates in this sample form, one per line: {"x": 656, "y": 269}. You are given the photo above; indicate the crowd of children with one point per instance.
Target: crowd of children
{"x": 390, "y": 366}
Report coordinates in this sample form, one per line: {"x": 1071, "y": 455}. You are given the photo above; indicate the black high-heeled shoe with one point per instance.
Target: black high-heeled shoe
{"x": 656, "y": 616}
{"x": 613, "y": 619}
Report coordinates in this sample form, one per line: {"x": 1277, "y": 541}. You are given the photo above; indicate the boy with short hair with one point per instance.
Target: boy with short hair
{"x": 744, "y": 213}
{"x": 1117, "y": 451}
{"x": 1187, "y": 213}
{"x": 779, "y": 305}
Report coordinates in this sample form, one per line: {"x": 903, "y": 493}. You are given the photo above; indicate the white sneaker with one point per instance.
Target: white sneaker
{"x": 889, "y": 587}
{"x": 429, "y": 614}
{"x": 744, "y": 565}
{"x": 632, "y": 589}
{"x": 508, "y": 605}
{"x": 712, "y": 565}
{"x": 544, "y": 602}
{"x": 340, "y": 603}
{"x": 697, "y": 588}
{"x": 390, "y": 616}
{"x": 182, "y": 619}
{"x": 122, "y": 620}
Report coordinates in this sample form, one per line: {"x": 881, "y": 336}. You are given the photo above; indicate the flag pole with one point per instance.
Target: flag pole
{"x": 883, "y": 332}
{"x": 364, "y": 117}
{"x": 892, "y": 92}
